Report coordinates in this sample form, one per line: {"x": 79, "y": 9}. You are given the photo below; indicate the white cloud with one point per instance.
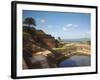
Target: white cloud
{"x": 67, "y": 28}
{"x": 70, "y": 27}
{"x": 64, "y": 28}
{"x": 42, "y": 21}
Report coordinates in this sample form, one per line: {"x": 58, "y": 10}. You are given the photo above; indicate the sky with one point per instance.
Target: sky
{"x": 67, "y": 25}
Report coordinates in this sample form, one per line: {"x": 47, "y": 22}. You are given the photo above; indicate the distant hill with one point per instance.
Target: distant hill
{"x": 76, "y": 40}
{"x": 85, "y": 39}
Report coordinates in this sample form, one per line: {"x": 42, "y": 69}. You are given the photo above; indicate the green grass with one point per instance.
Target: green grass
{"x": 67, "y": 47}
{"x": 64, "y": 48}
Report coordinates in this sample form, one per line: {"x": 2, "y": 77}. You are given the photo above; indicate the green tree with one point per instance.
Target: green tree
{"x": 29, "y": 21}
{"x": 59, "y": 38}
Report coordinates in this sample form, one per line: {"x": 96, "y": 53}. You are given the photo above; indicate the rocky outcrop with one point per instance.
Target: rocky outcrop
{"x": 39, "y": 35}
{"x": 35, "y": 41}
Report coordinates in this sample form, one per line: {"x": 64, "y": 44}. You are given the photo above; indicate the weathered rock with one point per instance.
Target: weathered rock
{"x": 37, "y": 41}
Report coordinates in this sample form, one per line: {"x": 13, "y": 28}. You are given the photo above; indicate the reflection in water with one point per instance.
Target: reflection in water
{"x": 76, "y": 61}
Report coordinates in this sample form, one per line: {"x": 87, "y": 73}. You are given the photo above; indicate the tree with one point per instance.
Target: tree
{"x": 59, "y": 38}
{"x": 29, "y": 21}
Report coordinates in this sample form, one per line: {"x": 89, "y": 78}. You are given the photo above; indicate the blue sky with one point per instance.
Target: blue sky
{"x": 67, "y": 25}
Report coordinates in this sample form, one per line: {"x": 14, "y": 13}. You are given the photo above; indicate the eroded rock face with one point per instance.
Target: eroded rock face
{"x": 39, "y": 35}
{"x": 50, "y": 42}
{"x": 24, "y": 64}
{"x": 37, "y": 49}
{"x": 42, "y": 59}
